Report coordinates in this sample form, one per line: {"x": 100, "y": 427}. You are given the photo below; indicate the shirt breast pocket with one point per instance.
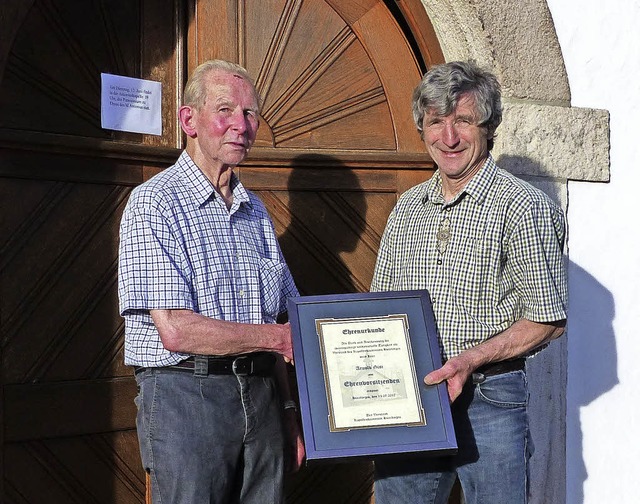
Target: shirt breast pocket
{"x": 271, "y": 279}
{"x": 478, "y": 279}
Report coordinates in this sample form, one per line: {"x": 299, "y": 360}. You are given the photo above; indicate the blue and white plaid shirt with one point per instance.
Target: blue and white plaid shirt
{"x": 488, "y": 258}
{"x": 180, "y": 248}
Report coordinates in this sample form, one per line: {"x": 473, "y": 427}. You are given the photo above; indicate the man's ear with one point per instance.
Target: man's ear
{"x": 186, "y": 115}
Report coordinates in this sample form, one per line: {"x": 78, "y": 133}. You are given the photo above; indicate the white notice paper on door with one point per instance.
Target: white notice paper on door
{"x": 130, "y": 104}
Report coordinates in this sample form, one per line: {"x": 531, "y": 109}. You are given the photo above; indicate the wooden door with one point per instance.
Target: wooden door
{"x": 335, "y": 148}
{"x": 337, "y": 141}
{"x": 336, "y": 145}
{"x": 67, "y": 418}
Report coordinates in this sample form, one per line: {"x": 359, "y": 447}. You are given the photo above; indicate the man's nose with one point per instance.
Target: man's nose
{"x": 239, "y": 121}
{"x": 450, "y": 134}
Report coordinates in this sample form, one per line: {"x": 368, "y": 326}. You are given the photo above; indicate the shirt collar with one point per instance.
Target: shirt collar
{"x": 202, "y": 188}
{"x": 478, "y": 187}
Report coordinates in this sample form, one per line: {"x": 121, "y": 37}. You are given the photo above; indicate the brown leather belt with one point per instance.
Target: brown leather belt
{"x": 251, "y": 364}
{"x": 496, "y": 368}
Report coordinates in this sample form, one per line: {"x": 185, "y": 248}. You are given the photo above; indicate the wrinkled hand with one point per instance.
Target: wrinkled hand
{"x": 286, "y": 349}
{"x": 455, "y": 372}
{"x": 294, "y": 446}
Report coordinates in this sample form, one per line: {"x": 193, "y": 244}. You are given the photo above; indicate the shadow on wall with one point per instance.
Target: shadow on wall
{"x": 589, "y": 349}
{"x": 593, "y": 364}
{"x": 328, "y": 216}
{"x": 520, "y": 165}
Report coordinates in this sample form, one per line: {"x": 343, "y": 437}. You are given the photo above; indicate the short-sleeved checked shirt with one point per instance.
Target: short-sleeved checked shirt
{"x": 499, "y": 258}
{"x": 180, "y": 248}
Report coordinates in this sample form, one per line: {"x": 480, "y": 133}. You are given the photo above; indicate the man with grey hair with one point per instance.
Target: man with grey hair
{"x": 202, "y": 281}
{"x": 489, "y": 249}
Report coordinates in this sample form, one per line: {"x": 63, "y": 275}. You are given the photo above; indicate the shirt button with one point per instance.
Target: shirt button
{"x": 439, "y": 261}
{"x": 241, "y": 292}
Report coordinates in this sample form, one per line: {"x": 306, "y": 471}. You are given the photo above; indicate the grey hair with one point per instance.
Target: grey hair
{"x": 195, "y": 91}
{"x": 443, "y": 85}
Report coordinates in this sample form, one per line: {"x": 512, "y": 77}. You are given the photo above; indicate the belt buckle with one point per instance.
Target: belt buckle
{"x": 239, "y": 362}
{"x": 478, "y": 378}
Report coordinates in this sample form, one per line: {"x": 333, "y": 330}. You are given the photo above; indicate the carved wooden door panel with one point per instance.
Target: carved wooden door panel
{"x": 67, "y": 417}
{"x": 337, "y": 141}
{"x": 335, "y": 148}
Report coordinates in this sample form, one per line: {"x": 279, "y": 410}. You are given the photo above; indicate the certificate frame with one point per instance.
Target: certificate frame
{"x": 360, "y": 376}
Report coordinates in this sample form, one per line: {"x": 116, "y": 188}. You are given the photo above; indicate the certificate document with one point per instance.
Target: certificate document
{"x": 360, "y": 359}
{"x": 369, "y": 373}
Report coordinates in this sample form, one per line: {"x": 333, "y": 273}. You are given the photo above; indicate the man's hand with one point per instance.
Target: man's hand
{"x": 455, "y": 372}
{"x": 287, "y": 351}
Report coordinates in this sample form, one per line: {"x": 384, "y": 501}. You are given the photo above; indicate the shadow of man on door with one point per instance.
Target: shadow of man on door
{"x": 325, "y": 253}
{"x": 328, "y": 217}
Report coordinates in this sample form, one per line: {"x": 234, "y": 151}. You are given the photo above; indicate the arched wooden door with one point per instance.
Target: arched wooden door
{"x": 337, "y": 141}
{"x": 337, "y": 144}
{"x": 335, "y": 148}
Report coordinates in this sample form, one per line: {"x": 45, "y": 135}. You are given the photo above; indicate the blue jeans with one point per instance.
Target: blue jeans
{"x": 492, "y": 430}
{"x": 210, "y": 439}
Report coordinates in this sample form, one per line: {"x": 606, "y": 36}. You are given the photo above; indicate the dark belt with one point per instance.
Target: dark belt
{"x": 497, "y": 368}
{"x": 252, "y": 364}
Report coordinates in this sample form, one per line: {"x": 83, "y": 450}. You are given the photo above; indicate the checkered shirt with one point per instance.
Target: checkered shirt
{"x": 503, "y": 260}
{"x": 180, "y": 248}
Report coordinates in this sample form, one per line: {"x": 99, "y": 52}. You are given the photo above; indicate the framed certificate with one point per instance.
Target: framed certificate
{"x": 360, "y": 360}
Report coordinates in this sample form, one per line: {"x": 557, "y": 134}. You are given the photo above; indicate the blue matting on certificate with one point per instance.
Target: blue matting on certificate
{"x": 436, "y": 436}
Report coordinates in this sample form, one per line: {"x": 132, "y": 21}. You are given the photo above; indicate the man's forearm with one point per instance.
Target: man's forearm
{"x": 188, "y": 332}
{"x": 519, "y": 339}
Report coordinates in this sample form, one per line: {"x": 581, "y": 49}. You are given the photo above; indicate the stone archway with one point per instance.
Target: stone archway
{"x": 544, "y": 140}
{"x": 518, "y": 40}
